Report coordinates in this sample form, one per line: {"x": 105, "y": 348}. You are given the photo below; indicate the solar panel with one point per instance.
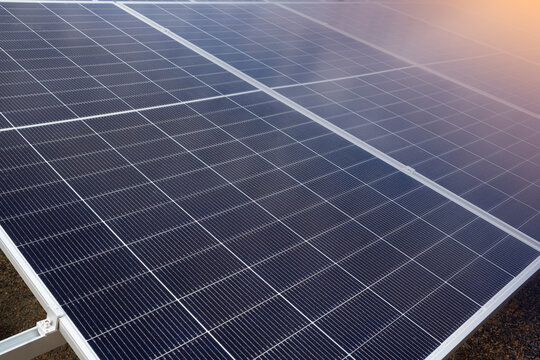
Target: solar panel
{"x": 64, "y": 61}
{"x": 492, "y": 67}
{"x": 480, "y": 149}
{"x": 234, "y": 191}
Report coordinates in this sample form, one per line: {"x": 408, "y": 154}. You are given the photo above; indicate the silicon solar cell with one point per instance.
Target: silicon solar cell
{"x": 241, "y": 224}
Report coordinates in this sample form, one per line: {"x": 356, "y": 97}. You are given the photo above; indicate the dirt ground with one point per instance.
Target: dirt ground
{"x": 513, "y": 333}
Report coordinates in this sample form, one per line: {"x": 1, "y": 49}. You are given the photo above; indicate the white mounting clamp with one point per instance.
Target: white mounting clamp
{"x": 47, "y": 326}
{"x": 408, "y": 170}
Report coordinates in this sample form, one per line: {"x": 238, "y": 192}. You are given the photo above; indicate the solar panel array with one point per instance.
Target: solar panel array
{"x": 179, "y": 208}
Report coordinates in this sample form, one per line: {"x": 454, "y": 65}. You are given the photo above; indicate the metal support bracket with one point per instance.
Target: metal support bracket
{"x": 32, "y": 342}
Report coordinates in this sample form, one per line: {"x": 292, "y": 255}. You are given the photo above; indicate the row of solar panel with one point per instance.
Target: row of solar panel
{"x": 267, "y": 209}
{"x": 478, "y": 148}
{"x": 239, "y": 218}
{"x": 474, "y": 146}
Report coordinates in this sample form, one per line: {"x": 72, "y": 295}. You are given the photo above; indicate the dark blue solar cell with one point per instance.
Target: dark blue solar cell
{"x": 371, "y": 170}
{"x": 348, "y": 156}
{"x": 460, "y": 157}
{"x": 459, "y": 182}
{"x": 195, "y": 272}
{"x": 181, "y": 185}
{"x": 449, "y": 217}
{"x": 307, "y": 131}
{"x": 396, "y": 185}
{"x": 359, "y": 201}
{"x": 385, "y": 219}
{"x": 407, "y": 285}
{"x": 531, "y": 228}
{"x": 245, "y": 218}
{"x": 480, "y": 280}
{"x": 146, "y": 288}
{"x": 310, "y": 169}
{"x": 368, "y": 132}
{"x": 248, "y": 128}
{"x": 401, "y": 340}
{"x": 421, "y": 201}
{"x": 315, "y": 220}
{"x": 446, "y": 258}
{"x": 213, "y": 201}
{"x": 202, "y": 139}
{"x": 331, "y": 243}
{"x": 228, "y": 298}
{"x": 485, "y": 196}
{"x": 26, "y": 201}
{"x": 434, "y": 168}
{"x": 292, "y": 266}
{"x": 265, "y": 326}
{"x": 411, "y": 155}
{"x": 483, "y": 170}
{"x": 504, "y": 159}
{"x": 359, "y": 319}
{"x": 324, "y": 291}
{"x": 151, "y": 221}
{"x": 329, "y": 143}
{"x": 288, "y": 202}
{"x": 170, "y": 166}
{"x": 511, "y": 184}
{"x": 203, "y": 348}
{"x": 479, "y": 235}
{"x": 173, "y": 244}
{"x": 452, "y": 308}
{"x": 128, "y": 341}
{"x": 65, "y": 248}
{"x": 371, "y": 263}
{"x": 93, "y": 274}
{"x": 266, "y": 184}
{"x": 127, "y": 201}
{"x": 288, "y": 155}
{"x": 513, "y": 212}
{"x": 27, "y": 176}
{"x": 151, "y": 150}
{"x": 260, "y": 244}
{"x": 512, "y": 255}
{"x": 221, "y": 153}
{"x": 52, "y": 222}
{"x": 310, "y": 343}
{"x": 334, "y": 184}
{"x": 415, "y": 237}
